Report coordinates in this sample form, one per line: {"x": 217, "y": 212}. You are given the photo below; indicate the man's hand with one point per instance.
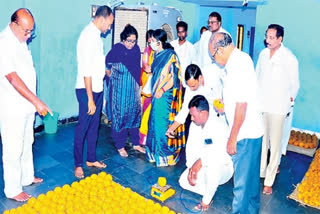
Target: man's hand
{"x": 232, "y": 146}
{"x": 239, "y": 116}
{"x": 193, "y": 172}
{"x": 42, "y": 108}
{"x": 91, "y": 107}
{"x": 24, "y": 91}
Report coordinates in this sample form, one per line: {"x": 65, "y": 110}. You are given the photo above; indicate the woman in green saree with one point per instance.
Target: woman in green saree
{"x": 166, "y": 102}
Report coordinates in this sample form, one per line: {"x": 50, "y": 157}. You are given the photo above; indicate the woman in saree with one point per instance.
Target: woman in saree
{"x": 124, "y": 100}
{"x": 146, "y": 75}
{"x": 166, "y": 85}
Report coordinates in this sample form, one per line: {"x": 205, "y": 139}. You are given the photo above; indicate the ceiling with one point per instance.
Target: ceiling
{"x": 226, "y": 3}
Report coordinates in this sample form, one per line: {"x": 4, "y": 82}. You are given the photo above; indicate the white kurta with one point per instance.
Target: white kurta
{"x": 210, "y": 147}
{"x": 278, "y": 80}
{"x": 240, "y": 86}
{"x": 185, "y": 54}
{"x": 16, "y": 114}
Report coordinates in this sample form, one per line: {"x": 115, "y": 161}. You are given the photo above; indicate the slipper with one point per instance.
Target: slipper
{"x": 267, "y": 190}
{"x": 123, "y": 153}
{"x": 37, "y": 180}
{"x": 140, "y": 149}
{"x": 97, "y": 164}
{"x": 78, "y": 172}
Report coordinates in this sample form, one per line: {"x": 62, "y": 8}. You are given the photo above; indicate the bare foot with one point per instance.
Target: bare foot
{"x": 78, "y": 172}
{"x": 123, "y": 152}
{"x": 267, "y": 190}
{"x": 98, "y": 164}
{"x": 37, "y": 180}
{"x": 22, "y": 197}
{"x": 202, "y": 206}
{"x": 140, "y": 149}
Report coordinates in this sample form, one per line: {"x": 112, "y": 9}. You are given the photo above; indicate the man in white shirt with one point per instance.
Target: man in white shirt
{"x": 245, "y": 121}
{"x": 183, "y": 48}
{"x": 207, "y": 84}
{"x": 89, "y": 88}
{"x": 18, "y": 105}
{"x": 278, "y": 79}
{"x": 203, "y": 58}
{"x": 209, "y": 164}
{"x": 197, "y": 44}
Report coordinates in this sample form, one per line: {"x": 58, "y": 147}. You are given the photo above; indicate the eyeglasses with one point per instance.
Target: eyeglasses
{"x": 26, "y": 32}
{"x": 270, "y": 37}
{"x": 131, "y": 41}
{"x": 213, "y": 56}
{"x": 212, "y": 22}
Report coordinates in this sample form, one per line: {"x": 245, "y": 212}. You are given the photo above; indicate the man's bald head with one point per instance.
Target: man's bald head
{"x": 220, "y": 47}
{"x": 21, "y": 13}
{"x": 220, "y": 39}
{"x": 22, "y": 24}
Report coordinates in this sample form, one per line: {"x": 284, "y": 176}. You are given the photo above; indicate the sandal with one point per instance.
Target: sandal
{"x": 123, "y": 153}
{"x": 78, "y": 172}
{"x": 140, "y": 149}
{"x": 97, "y": 164}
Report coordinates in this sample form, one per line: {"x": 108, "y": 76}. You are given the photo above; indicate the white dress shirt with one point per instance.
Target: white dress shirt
{"x": 278, "y": 80}
{"x": 186, "y": 54}
{"x": 15, "y": 57}
{"x": 91, "y": 58}
{"x": 211, "y": 90}
{"x": 240, "y": 86}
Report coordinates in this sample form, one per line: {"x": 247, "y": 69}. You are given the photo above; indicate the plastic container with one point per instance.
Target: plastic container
{"x": 51, "y": 123}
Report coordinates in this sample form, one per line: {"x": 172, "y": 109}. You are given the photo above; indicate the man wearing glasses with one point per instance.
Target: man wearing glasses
{"x": 245, "y": 121}
{"x": 278, "y": 78}
{"x": 18, "y": 105}
{"x": 214, "y": 25}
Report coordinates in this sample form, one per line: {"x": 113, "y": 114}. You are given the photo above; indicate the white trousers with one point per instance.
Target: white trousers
{"x": 273, "y": 125}
{"x": 286, "y": 132}
{"x": 208, "y": 180}
{"x": 17, "y": 139}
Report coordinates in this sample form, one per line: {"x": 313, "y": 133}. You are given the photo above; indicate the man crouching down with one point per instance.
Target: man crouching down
{"x": 209, "y": 164}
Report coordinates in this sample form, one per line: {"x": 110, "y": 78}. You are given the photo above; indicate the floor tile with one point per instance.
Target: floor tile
{"x": 53, "y": 161}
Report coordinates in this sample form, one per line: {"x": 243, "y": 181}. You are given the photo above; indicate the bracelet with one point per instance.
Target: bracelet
{"x": 163, "y": 90}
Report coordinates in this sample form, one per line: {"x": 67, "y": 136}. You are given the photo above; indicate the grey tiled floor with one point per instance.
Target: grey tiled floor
{"x": 53, "y": 161}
